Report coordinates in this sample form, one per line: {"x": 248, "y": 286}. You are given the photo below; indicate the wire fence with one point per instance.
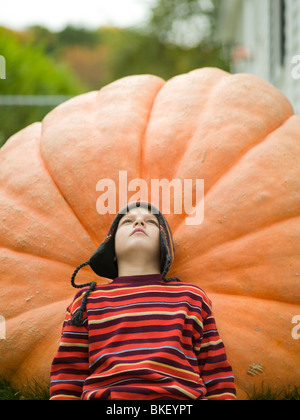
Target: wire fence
{"x": 33, "y": 100}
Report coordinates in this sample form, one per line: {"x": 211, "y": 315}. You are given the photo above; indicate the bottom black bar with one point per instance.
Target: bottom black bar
{"x": 142, "y": 409}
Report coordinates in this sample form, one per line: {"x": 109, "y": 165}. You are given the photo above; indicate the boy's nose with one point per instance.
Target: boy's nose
{"x": 139, "y": 222}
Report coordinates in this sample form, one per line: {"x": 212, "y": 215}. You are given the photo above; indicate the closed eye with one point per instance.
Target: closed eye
{"x": 151, "y": 221}
{"x": 127, "y": 220}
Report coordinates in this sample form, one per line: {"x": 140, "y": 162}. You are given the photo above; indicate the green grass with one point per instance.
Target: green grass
{"x": 35, "y": 391}
{"x": 263, "y": 394}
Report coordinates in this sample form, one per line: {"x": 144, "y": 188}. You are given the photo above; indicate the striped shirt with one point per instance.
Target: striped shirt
{"x": 142, "y": 339}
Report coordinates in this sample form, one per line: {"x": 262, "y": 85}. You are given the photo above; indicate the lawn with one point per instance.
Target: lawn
{"x": 37, "y": 391}
{"x": 33, "y": 391}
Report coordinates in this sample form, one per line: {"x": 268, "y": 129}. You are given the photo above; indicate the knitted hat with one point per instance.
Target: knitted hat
{"x": 102, "y": 261}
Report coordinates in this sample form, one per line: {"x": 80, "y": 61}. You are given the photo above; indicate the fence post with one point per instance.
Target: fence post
{"x": 2, "y": 67}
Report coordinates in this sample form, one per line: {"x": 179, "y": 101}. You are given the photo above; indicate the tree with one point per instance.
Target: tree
{"x": 29, "y": 72}
{"x": 185, "y": 23}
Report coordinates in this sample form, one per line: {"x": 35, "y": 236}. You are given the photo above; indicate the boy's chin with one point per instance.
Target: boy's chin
{"x": 139, "y": 251}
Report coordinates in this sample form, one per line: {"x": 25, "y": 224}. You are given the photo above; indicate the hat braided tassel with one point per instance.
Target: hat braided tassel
{"x": 78, "y": 315}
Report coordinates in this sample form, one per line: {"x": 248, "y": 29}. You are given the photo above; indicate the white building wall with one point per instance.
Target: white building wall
{"x": 254, "y": 35}
{"x": 291, "y": 85}
{"x": 255, "y": 24}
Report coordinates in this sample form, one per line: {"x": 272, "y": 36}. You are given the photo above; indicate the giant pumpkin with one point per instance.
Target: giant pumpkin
{"x": 237, "y": 133}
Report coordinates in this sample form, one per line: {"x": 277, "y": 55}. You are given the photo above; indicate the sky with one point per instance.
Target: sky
{"x": 56, "y": 14}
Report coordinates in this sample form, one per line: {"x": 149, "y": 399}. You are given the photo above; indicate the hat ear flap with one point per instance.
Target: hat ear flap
{"x": 78, "y": 315}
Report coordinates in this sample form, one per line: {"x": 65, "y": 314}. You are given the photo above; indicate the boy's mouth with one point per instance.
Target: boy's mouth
{"x": 138, "y": 230}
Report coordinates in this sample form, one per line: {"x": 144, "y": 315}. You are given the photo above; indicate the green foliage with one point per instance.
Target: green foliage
{"x": 141, "y": 52}
{"x": 176, "y": 39}
{"x": 184, "y": 23}
{"x": 29, "y": 72}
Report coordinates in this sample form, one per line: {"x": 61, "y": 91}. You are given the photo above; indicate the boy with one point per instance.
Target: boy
{"x": 143, "y": 336}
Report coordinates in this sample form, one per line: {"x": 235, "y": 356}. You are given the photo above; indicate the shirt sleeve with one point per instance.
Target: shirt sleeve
{"x": 70, "y": 366}
{"x": 215, "y": 369}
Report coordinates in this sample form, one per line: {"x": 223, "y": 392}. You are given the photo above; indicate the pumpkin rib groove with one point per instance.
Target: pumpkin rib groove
{"x": 168, "y": 145}
{"x": 144, "y": 132}
{"x": 242, "y": 294}
{"x": 248, "y": 235}
{"x": 232, "y": 166}
{"x": 42, "y": 257}
{"x": 231, "y": 289}
{"x": 38, "y": 290}
{"x": 188, "y": 142}
{"x": 226, "y": 261}
{"x": 29, "y": 184}
{"x": 44, "y": 164}
{"x": 15, "y": 201}
{"x": 228, "y": 284}
{"x": 115, "y": 117}
{"x": 292, "y": 212}
{"x": 16, "y": 361}
{"x": 290, "y": 306}
{"x": 222, "y": 75}
{"x": 215, "y": 288}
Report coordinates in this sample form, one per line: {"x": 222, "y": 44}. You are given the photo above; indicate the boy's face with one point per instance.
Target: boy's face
{"x": 141, "y": 245}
